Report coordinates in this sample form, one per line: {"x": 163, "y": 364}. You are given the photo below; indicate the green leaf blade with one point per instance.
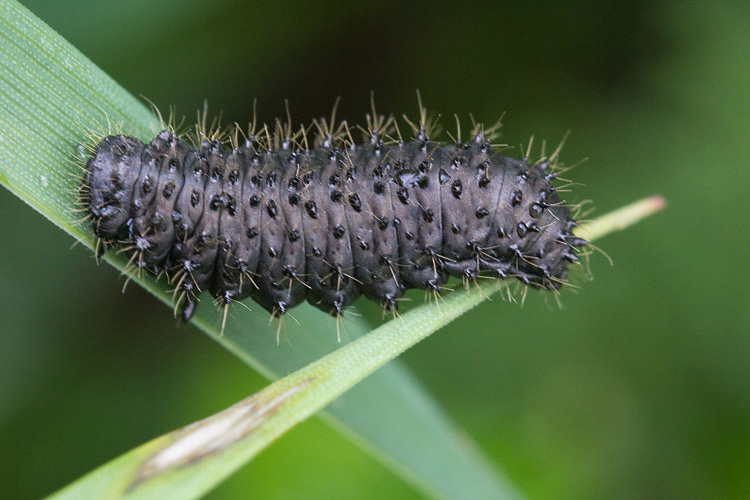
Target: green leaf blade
{"x": 190, "y": 461}
{"x": 50, "y": 94}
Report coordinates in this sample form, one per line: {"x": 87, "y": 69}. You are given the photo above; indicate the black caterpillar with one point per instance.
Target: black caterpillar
{"x": 281, "y": 222}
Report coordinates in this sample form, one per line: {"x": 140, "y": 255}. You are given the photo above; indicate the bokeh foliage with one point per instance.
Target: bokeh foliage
{"x": 638, "y": 388}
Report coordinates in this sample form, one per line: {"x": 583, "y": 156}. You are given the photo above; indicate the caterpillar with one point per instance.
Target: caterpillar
{"x": 282, "y": 217}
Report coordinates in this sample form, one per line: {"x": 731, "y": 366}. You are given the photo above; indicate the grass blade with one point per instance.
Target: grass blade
{"x": 190, "y": 461}
{"x": 50, "y": 94}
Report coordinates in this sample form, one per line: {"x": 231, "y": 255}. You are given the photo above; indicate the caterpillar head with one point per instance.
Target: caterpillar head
{"x": 110, "y": 175}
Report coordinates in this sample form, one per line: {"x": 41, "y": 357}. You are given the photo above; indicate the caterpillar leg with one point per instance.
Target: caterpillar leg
{"x": 187, "y": 310}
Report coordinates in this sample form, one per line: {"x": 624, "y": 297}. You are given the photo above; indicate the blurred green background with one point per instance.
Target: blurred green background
{"x": 638, "y": 388}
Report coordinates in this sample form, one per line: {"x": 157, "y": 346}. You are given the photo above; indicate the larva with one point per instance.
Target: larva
{"x": 277, "y": 219}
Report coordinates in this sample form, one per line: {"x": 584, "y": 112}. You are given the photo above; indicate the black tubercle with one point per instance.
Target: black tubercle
{"x": 249, "y": 222}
